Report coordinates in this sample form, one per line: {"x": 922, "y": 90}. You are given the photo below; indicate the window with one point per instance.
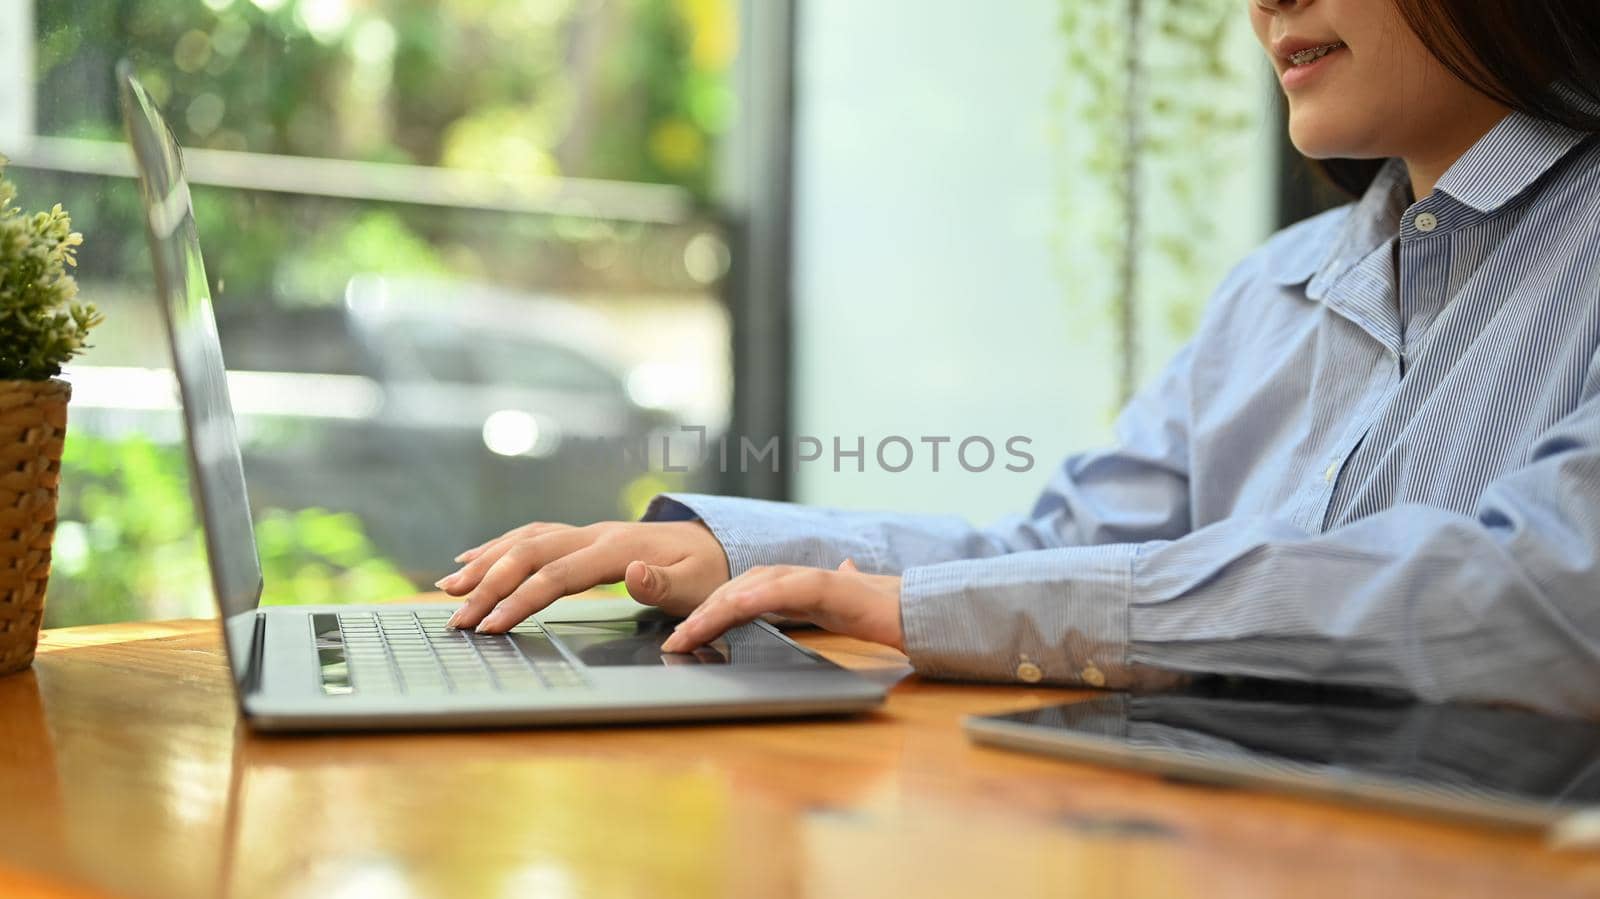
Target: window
{"x": 489, "y": 162}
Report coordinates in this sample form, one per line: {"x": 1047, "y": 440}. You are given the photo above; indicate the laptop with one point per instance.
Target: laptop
{"x": 399, "y": 666}
{"x": 1498, "y": 766}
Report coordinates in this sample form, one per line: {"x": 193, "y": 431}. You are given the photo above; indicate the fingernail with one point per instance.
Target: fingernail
{"x": 493, "y": 620}
{"x": 454, "y": 621}
{"x": 459, "y": 559}
{"x": 440, "y": 582}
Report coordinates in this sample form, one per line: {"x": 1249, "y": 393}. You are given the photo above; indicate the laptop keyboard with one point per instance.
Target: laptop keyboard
{"x": 392, "y": 653}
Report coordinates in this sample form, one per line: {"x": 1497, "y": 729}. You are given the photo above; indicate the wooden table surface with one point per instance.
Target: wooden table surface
{"x": 124, "y": 770}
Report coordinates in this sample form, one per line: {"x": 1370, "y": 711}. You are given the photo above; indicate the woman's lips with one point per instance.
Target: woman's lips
{"x": 1298, "y": 76}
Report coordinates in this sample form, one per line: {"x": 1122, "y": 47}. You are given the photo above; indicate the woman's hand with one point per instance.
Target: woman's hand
{"x": 674, "y": 565}
{"x": 846, "y": 601}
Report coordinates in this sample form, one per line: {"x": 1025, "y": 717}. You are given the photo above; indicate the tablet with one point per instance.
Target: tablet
{"x": 1495, "y": 765}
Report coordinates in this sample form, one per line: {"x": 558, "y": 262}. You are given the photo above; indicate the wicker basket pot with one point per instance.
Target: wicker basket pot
{"x": 33, "y": 424}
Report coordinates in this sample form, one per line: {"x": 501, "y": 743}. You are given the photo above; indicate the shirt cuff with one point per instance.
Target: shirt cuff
{"x": 760, "y": 532}
{"x": 1057, "y": 616}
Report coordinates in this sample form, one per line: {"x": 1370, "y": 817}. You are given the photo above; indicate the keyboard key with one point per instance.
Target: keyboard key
{"x": 393, "y": 653}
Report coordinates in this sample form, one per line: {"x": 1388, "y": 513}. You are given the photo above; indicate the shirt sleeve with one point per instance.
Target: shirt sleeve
{"x": 1136, "y": 491}
{"x": 1502, "y": 604}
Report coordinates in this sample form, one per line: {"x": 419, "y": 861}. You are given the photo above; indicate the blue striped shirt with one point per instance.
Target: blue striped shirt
{"x": 1377, "y": 463}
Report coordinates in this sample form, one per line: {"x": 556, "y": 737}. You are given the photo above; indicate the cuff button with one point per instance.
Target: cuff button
{"x": 1029, "y": 673}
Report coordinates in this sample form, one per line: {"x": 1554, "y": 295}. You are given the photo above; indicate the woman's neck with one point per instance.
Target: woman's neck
{"x": 1447, "y": 142}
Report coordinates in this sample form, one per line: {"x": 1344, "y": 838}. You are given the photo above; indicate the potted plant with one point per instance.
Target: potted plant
{"x": 42, "y": 325}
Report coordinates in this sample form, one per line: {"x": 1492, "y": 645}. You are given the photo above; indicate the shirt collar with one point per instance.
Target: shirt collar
{"x": 1369, "y": 222}
{"x": 1301, "y": 251}
{"x": 1507, "y": 160}
{"x": 1499, "y": 167}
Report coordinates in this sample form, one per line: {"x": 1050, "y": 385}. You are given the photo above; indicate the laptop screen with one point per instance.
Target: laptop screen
{"x": 185, "y": 300}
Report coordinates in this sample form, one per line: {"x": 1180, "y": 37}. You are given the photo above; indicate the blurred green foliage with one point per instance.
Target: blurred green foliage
{"x": 316, "y": 556}
{"x": 42, "y": 324}
{"x": 631, "y": 90}
{"x": 127, "y": 544}
{"x": 1161, "y": 100}
{"x": 372, "y": 241}
{"x": 623, "y": 89}
{"x": 125, "y": 535}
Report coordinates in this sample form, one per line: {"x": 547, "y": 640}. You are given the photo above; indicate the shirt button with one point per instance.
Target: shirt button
{"x": 1426, "y": 222}
{"x": 1029, "y": 673}
{"x": 1093, "y": 676}
{"x": 1333, "y": 469}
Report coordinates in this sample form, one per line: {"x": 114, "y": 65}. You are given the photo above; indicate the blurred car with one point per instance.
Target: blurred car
{"x": 439, "y": 412}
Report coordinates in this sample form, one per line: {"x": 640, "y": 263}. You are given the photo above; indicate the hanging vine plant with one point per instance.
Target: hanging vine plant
{"x": 1147, "y": 108}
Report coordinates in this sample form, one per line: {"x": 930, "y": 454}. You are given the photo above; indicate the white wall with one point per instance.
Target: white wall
{"x": 930, "y": 298}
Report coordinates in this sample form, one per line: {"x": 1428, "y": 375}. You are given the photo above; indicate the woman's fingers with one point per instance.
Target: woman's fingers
{"x": 463, "y": 580}
{"x": 791, "y": 591}
{"x": 528, "y": 530}
{"x": 866, "y": 606}
{"x": 513, "y": 565}
{"x": 656, "y": 585}
{"x": 588, "y": 567}
{"x": 676, "y": 588}
{"x": 671, "y": 565}
{"x": 468, "y": 555}
{"x": 487, "y": 555}
{"x": 649, "y": 584}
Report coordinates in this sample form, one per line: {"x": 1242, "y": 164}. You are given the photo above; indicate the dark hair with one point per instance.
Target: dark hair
{"x": 1516, "y": 52}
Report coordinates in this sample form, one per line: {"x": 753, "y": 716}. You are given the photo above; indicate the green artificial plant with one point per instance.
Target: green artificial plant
{"x": 42, "y": 324}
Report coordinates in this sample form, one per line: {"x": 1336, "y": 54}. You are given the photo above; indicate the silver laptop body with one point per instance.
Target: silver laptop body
{"x": 398, "y": 666}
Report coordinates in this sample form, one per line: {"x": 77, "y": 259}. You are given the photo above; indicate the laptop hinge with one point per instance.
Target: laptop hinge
{"x": 252, "y": 668}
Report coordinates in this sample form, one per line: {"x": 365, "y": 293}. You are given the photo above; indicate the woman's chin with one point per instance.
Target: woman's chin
{"x": 1322, "y": 137}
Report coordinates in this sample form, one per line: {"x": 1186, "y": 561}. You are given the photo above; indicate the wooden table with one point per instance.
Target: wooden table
{"x": 124, "y": 770}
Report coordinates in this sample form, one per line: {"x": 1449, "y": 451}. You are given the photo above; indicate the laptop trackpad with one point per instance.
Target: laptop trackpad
{"x": 638, "y": 642}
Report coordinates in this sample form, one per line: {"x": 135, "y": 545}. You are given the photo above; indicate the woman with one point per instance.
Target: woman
{"x": 1376, "y": 464}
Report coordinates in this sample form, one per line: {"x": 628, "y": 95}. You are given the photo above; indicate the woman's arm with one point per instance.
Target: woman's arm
{"x": 1500, "y": 605}
{"x": 1135, "y": 492}
{"x": 1138, "y": 491}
